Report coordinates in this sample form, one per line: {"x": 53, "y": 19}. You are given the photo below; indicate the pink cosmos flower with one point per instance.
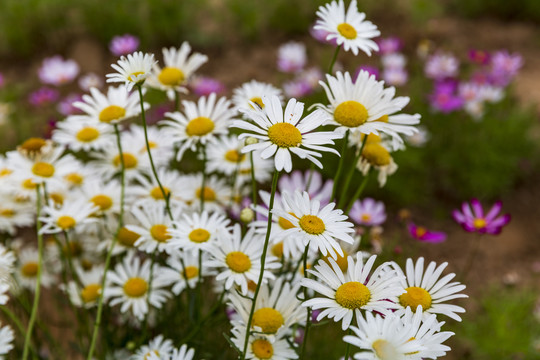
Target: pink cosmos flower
{"x": 43, "y": 96}
{"x": 389, "y": 45}
{"x": 65, "y": 106}
{"x": 368, "y": 212}
{"x": 123, "y": 45}
{"x": 292, "y": 57}
{"x": 473, "y": 219}
{"x": 318, "y": 188}
{"x": 441, "y": 66}
{"x": 57, "y": 71}
{"x": 204, "y": 86}
{"x": 479, "y": 56}
{"x": 372, "y": 70}
{"x": 420, "y": 233}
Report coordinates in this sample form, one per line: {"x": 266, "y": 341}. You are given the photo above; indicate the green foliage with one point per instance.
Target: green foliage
{"x": 504, "y": 328}
{"x": 503, "y": 9}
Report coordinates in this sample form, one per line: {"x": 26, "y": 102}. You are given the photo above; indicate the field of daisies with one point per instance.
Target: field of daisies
{"x": 159, "y": 216}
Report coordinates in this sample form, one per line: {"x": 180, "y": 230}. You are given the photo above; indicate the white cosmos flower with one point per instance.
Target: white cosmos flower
{"x": 69, "y": 215}
{"x": 282, "y": 133}
{"x": 253, "y": 92}
{"x": 365, "y": 106}
{"x": 128, "y": 285}
{"x": 319, "y": 228}
{"x": 238, "y": 259}
{"x": 158, "y": 346}
{"x": 200, "y": 123}
{"x": 398, "y": 338}
{"x": 428, "y": 290}
{"x": 6, "y": 339}
{"x": 133, "y": 69}
{"x": 346, "y": 294}
{"x": 83, "y": 134}
{"x": 198, "y": 231}
{"x": 261, "y": 348}
{"x": 111, "y": 108}
{"x": 347, "y": 27}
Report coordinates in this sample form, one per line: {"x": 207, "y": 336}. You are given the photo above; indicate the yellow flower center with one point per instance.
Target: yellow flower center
{"x": 365, "y": 217}
{"x": 342, "y": 261}
{"x": 257, "y": 100}
{"x": 347, "y": 31}
{"x": 353, "y": 295}
{"x": 284, "y": 223}
{"x": 157, "y": 194}
{"x": 351, "y": 114}
{"x": 5, "y": 172}
{"x": 148, "y": 354}
{"x": 33, "y": 145}
{"x": 159, "y": 233}
{"x": 65, "y": 222}
{"x": 312, "y": 224}
{"x": 199, "y": 126}
{"x": 171, "y": 76}
{"x": 277, "y": 249}
{"x": 420, "y": 231}
{"x": 111, "y": 113}
{"x": 384, "y": 350}
{"x": 130, "y": 160}
{"x": 383, "y": 118}
{"x": 234, "y": 156}
{"x": 74, "y": 178}
{"x": 376, "y": 154}
{"x": 372, "y": 138}
{"x": 262, "y": 349}
{"x": 30, "y": 269}
{"x": 209, "y": 194}
{"x": 103, "y": 202}
{"x": 133, "y": 75}
{"x": 135, "y": 287}
{"x": 268, "y": 319}
{"x": 29, "y": 184}
{"x": 199, "y": 235}
{"x": 87, "y": 134}
{"x": 285, "y": 135}
{"x": 479, "y": 223}
{"x": 7, "y": 213}
{"x": 127, "y": 237}
{"x": 43, "y": 169}
{"x": 90, "y": 293}
{"x": 238, "y": 262}
{"x": 415, "y": 296}
{"x": 191, "y": 272}
{"x": 57, "y": 198}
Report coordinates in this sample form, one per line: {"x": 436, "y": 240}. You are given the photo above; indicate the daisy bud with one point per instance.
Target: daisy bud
{"x": 247, "y": 215}
{"x": 251, "y": 140}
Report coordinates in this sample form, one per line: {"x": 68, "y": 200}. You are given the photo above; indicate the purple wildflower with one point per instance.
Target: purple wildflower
{"x": 395, "y": 76}
{"x": 441, "y": 66}
{"x": 320, "y": 35}
{"x": 123, "y": 45}
{"x": 318, "y": 188}
{"x": 444, "y": 97}
{"x": 420, "y": 233}
{"x": 204, "y": 86}
{"x": 372, "y": 70}
{"x": 479, "y": 56}
{"x": 57, "y": 71}
{"x": 389, "y": 45}
{"x": 292, "y": 57}
{"x": 43, "y": 96}
{"x": 65, "y": 106}
{"x": 297, "y": 88}
{"x": 473, "y": 219}
{"x": 368, "y": 212}
{"x": 504, "y": 67}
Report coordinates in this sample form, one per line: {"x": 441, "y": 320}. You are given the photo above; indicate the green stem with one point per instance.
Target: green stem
{"x": 115, "y": 239}
{"x": 150, "y": 281}
{"x": 203, "y": 184}
{"x": 340, "y": 165}
{"x": 350, "y": 174}
{"x": 308, "y": 316}
{"x": 33, "y": 314}
{"x": 17, "y": 323}
{"x": 263, "y": 261}
{"x": 310, "y": 177}
{"x": 253, "y": 181}
{"x": 358, "y": 192}
{"x": 347, "y": 350}
{"x": 331, "y": 67}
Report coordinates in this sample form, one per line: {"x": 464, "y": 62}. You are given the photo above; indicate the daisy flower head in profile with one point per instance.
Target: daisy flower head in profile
{"x": 364, "y": 105}
{"x": 6, "y": 339}
{"x": 473, "y": 219}
{"x": 368, "y": 212}
{"x": 157, "y": 346}
{"x": 313, "y": 226}
{"x": 132, "y": 70}
{"x": 128, "y": 285}
{"x": 410, "y": 337}
{"x": 346, "y": 294}
{"x": 178, "y": 68}
{"x": 259, "y": 347}
{"x": 113, "y": 107}
{"x": 376, "y": 154}
{"x": 88, "y": 293}
{"x": 200, "y": 123}
{"x": 347, "y": 27}
{"x": 253, "y": 92}
{"x": 282, "y": 133}
{"x": 427, "y": 290}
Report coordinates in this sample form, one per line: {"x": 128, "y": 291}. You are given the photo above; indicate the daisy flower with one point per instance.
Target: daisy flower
{"x": 376, "y": 154}
{"x": 260, "y": 348}
{"x": 148, "y": 189}
{"x": 4, "y": 297}
{"x": 310, "y": 181}
{"x": 238, "y": 259}
{"x": 178, "y": 68}
{"x": 6, "y": 339}
{"x": 83, "y": 135}
{"x": 154, "y": 227}
{"x": 57, "y": 71}
{"x": 365, "y": 106}
{"x": 423, "y": 234}
{"x": 182, "y": 353}
{"x": 345, "y": 294}
{"x": 111, "y": 108}
{"x": 88, "y": 293}
{"x": 157, "y": 346}
{"x": 128, "y": 285}
{"x": 160, "y": 141}
{"x": 477, "y": 221}
{"x": 276, "y": 309}
{"x": 15, "y": 212}
{"x": 216, "y": 192}
{"x": 398, "y": 338}
{"x": 68, "y": 216}
{"x": 315, "y": 227}
{"x": 368, "y": 212}
{"x": 7, "y": 261}
{"x": 104, "y": 196}
{"x": 27, "y": 269}
{"x": 282, "y": 133}
{"x": 108, "y": 163}
{"x": 174, "y": 274}
{"x": 198, "y": 231}
{"x": 200, "y": 123}
{"x": 428, "y": 290}
{"x": 347, "y": 27}
{"x": 132, "y": 70}
{"x": 253, "y": 92}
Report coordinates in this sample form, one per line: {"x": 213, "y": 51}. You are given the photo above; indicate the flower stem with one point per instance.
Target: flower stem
{"x": 253, "y": 181}
{"x": 263, "y": 261}
{"x": 358, "y": 192}
{"x": 203, "y": 184}
{"x": 348, "y": 346}
{"x": 340, "y": 165}
{"x": 33, "y": 314}
{"x": 115, "y": 239}
{"x": 308, "y": 317}
{"x": 350, "y": 174}
{"x": 331, "y": 67}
